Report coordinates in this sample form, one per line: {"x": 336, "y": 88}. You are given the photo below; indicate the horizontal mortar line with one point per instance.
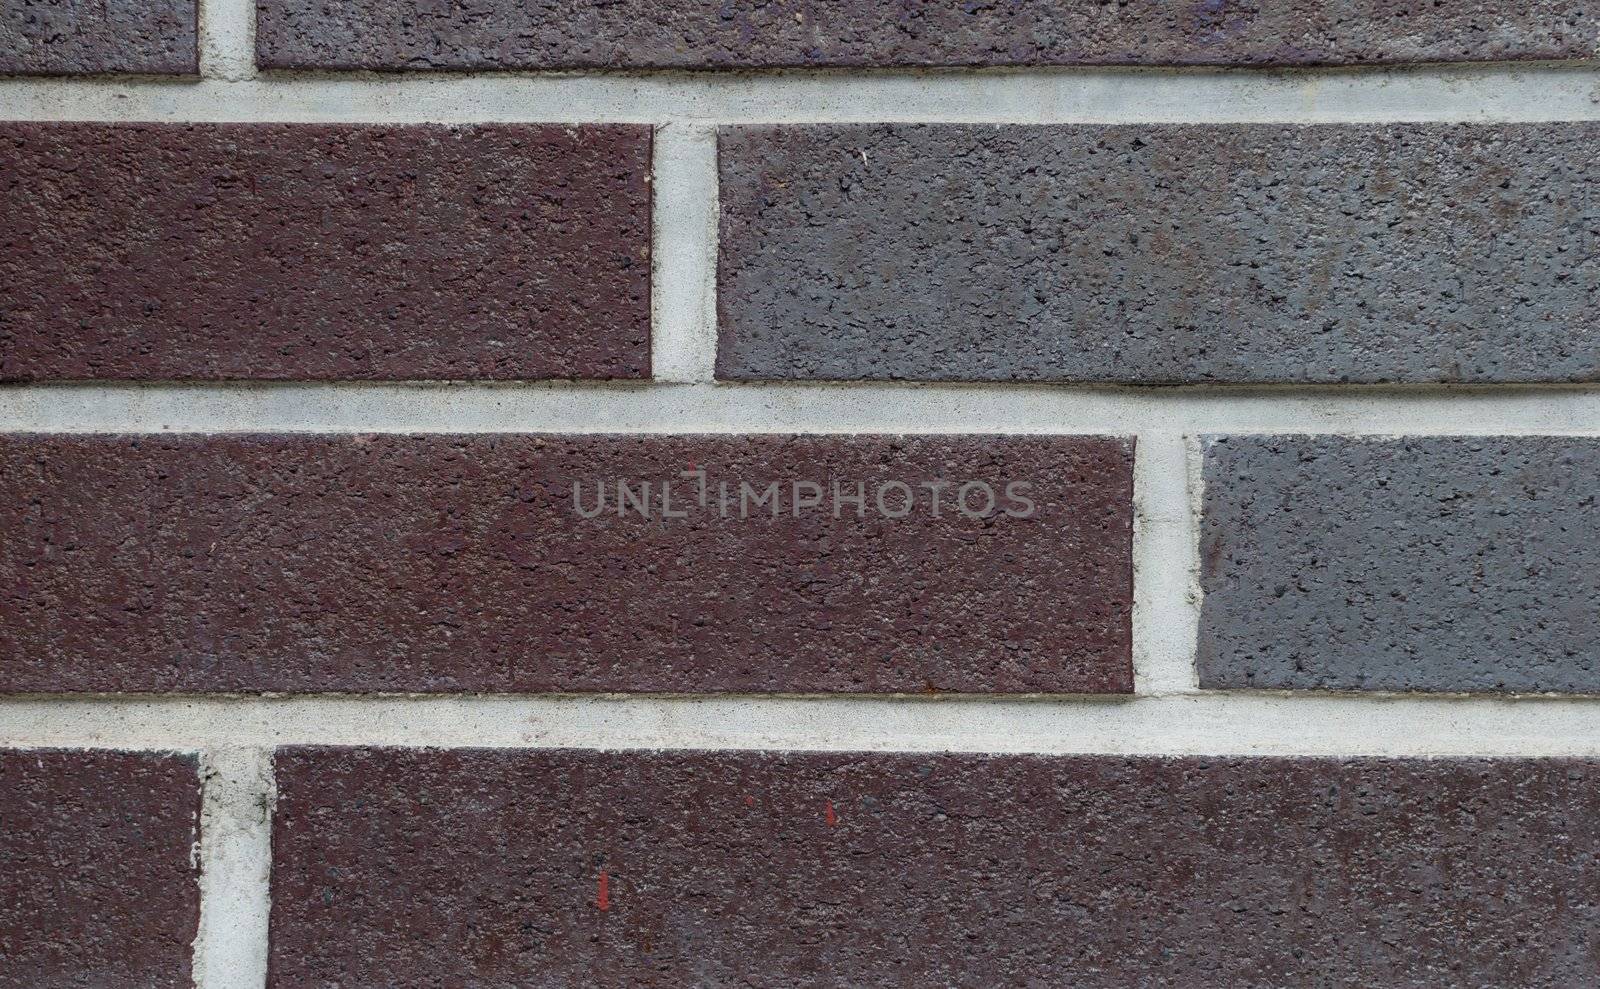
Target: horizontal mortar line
{"x": 878, "y": 408}
{"x": 1200, "y": 724}
{"x": 1504, "y": 92}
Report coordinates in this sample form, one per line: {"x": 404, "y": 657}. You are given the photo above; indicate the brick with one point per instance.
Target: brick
{"x": 97, "y": 886}
{"x": 323, "y": 251}
{"x": 873, "y": 869}
{"x": 1151, "y": 254}
{"x": 507, "y": 34}
{"x": 1435, "y": 564}
{"x": 77, "y": 37}
{"x": 450, "y": 563}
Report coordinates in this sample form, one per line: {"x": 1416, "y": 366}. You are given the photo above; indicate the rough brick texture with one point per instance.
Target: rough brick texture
{"x": 73, "y": 37}
{"x": 421, "y": 34}
{"x": 323, "y": 251}
{"x": 562, "y": 868}
{"x": 97, "y": 887}
{"x": 341, "y": 563}
{"x": 1253, "y": 253}
{"x": 1438, "y": 563}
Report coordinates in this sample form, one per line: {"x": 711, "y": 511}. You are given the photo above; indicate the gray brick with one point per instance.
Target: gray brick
{"x": 1435, "y": 564}
{"x": 1147, "y": 254}
{"x": 76, "y": 37}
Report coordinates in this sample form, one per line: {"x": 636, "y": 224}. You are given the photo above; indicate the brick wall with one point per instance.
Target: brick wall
{"x": 1010, "y": 494}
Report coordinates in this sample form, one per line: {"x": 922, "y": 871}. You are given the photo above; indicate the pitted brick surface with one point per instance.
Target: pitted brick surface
{"x": 421, "y": 34}
{"x": 76, "y": 37}
{"x": 1147, "y": 254}
{"x": 301, "y": 251}
{"x": 563, "y": 868}
{"x": 446, "y": 563}
{"x": 1424, "y": 563}
{"x": 97, "y": 886}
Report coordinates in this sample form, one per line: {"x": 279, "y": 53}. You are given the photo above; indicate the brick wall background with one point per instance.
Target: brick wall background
{"x": 316, "y": 669}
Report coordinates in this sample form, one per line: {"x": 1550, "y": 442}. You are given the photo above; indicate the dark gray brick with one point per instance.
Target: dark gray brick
{"x": 77, "y": 37}
{"x": 1438, "y": 564}
{"x": 488, "y": 34}
{"x": 1249, "y": 253}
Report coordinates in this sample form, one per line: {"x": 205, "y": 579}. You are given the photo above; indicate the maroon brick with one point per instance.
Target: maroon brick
{"x": 74, "y": 37}
{"x": 339, "y": 251}
{"x": 449, "y": 563}
{"x": 872, "y": 869}
{"x": 418, "y": 34}
{"x": 97, "y": 882}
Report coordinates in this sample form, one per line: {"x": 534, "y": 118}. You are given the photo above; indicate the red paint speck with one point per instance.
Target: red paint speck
{"x": 603, "y": 897}
{"x": 749, "y": 801}
{"x": 829, "y": 816}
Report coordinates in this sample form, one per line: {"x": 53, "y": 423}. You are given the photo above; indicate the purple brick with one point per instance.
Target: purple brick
{"x": 508, "y": 34}
{"x": 565, "y": 868}
{"x": 293, "y": 251}
{"x": 97, "y": 878}
{"x": 449, "y": 563}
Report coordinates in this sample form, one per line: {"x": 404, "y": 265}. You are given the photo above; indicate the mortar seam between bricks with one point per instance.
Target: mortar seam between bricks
{"x": 228, "y": 91}
{"x": 782, "y": 408}
{"x": 1207, "y": 724}
{"x": 235, "y": 850}
{"x": 683, "y": 253}
{"x": 1165, "y": 565}
{"x": 227, "y": 40}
